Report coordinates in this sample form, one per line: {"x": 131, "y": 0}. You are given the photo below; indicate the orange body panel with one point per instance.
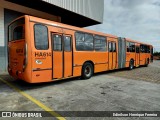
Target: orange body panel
{"x": 77, "y": 71}
{"x": 68, "y": 64}
{"x": 16, "y": 55}
{"x": 137, "y": 59}
{"x": 40, "y": 76}
{"x": 130, "y": 56}
{"x": 110, "y": 62}
{"x": 98, "y": 58}
{"x": 144, "y": 57}
{"x": 57, "y": 65}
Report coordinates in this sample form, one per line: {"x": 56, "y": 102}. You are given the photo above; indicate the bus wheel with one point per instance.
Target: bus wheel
{"x": 147, "y": 62}
{"x": 131, "y": 64}
{"x": 87, "y": 70}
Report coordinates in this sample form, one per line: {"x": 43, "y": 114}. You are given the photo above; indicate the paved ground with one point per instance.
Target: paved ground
{"x": 136, "y": 90}
{"x": 150, "y": 74}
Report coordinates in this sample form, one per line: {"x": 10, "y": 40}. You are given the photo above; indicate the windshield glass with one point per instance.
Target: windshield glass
{"x": 16, "y": 30}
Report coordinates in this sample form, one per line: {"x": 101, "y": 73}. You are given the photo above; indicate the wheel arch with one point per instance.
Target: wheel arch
{"x": 89, "y": 61}
{"x": 132, "y": 59}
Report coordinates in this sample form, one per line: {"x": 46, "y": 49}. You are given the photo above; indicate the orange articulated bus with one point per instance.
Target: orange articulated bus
{"x": 138, "y": 54}
{"x": 40, "y": 50}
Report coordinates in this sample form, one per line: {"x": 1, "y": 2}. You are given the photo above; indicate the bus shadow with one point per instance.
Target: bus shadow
{"x": 22, "y": 85}
{"x": 28, "y": 86}
{"x": 110, "y": 72}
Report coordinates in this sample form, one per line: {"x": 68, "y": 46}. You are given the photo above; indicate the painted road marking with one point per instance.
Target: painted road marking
{"x": 49, "y": 110}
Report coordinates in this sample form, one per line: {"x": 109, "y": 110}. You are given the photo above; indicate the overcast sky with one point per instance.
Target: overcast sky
{"x": 135, "y": 19}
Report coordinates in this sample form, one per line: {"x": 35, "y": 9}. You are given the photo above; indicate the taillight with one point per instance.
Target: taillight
{"x": 24, "y": 63}
{"x": 25, "y": 57}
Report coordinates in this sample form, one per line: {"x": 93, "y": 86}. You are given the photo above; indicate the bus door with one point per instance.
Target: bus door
{"x": 137, "y": 55}
{"x": 62, "y": 55}
{"x": 112, "y": 55}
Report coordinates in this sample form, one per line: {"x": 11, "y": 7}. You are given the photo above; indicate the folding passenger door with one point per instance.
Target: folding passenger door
{"x": 67, "y": 56}
{"x": 57, "y": 55}
{"x": 114, "y": 51}
{"x": 112, "y": 55}
{"x": 62, "y": 55}
{"x": 137, "y": 55}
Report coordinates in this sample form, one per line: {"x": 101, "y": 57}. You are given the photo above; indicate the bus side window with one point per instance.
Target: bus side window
{"x": 88, "y": 42}
{"x": 110, "y": 47}
{"x": 114, "y": 47}
{"x": 137, "y": 49}
{"x": 100, "y": 43}
{"x": 149, "y": 50}
{"x": 84, "y": 41}
{"x": 57, "y": 42}
{"x": 41, "y": 37}
{"x": 67, "y": 43}
{"x": 145, "y": 49}
{"x": 128, "y": 50}
{"x": 18, "y": 33}
{"x": 132, "y": 47}
{"x": 142, "y": 48}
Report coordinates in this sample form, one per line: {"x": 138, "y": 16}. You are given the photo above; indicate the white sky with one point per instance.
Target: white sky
{"x": 135, "y": 19}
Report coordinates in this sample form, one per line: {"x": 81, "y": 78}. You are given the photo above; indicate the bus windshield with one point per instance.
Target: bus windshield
{"x": 16, "y": 30}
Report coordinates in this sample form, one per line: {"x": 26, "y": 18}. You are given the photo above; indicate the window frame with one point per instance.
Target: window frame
{"x": 127, "y": 46}
{"x": 114, "y": 43}
{"x": 148, "y": 49}
{"x": 137, "y": 49}
{"x": 35, "y": 36}
{"x": 70, "y": 43}
{"x": 110, "y": 47}
{"x": 53, "y": 47}
{"x": 130, "y": 48}
{"x": 23, "y": 32}
{"x": 143, "y": 48}
{"x": 84, "y": 40}
{"x": 12, "y": 26}
{"x": 100, "y": 36}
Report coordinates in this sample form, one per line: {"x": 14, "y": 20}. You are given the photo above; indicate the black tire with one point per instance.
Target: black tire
{"x": 87, "y": 70}
{"x": 131, "y": 64}
{"x": 147, "y": 62}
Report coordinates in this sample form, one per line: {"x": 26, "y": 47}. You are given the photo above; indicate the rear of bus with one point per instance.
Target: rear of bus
{"x": 28, "y": 57}
{"x": 17, "y": 48}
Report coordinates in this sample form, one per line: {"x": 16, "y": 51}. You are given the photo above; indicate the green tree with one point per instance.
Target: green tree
{"x": 156, "y": 53}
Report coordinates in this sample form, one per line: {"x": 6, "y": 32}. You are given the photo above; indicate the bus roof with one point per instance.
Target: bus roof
{"x": 135, "y": 41}
{"x": 57, "y": 24}
{"x": 61, "y": 25}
